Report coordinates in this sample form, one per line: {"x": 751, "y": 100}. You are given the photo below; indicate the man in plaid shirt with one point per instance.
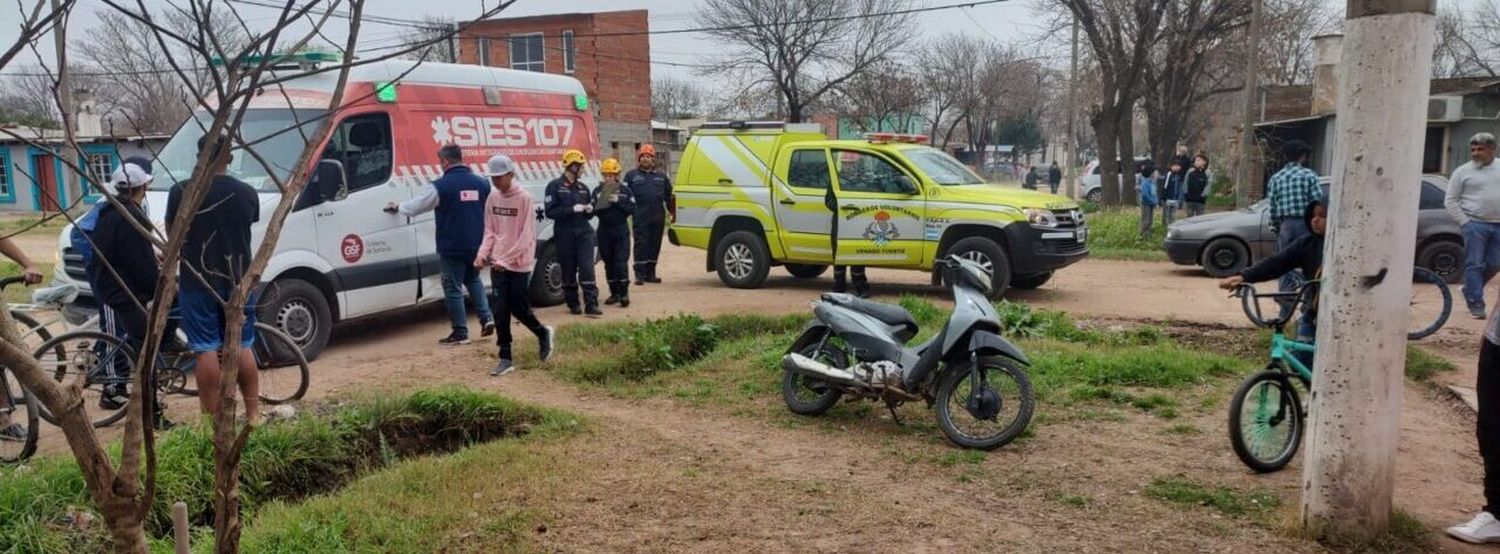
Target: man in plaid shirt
{"x": 1289, "y": 192}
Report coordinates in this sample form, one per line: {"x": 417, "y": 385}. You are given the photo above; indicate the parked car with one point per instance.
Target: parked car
{"x": 1088, "y": 185}
{"x": 1225, "y": 243}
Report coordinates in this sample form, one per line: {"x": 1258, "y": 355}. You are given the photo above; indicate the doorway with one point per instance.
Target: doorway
{"x": 45, "y": 182}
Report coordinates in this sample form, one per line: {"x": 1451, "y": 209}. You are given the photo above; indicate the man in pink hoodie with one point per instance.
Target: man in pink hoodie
{"x": 509, "y": 250}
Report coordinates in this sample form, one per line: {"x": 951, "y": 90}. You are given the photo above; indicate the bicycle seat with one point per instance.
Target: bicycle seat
{"x": 886, "y": 313}
{"x": 59, "y": 295}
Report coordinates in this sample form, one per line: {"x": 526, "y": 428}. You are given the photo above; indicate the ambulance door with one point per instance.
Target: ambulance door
{"x": 373, "y": 253}
{"x": 801, "y": 214}
{"x": 881, "y": 211}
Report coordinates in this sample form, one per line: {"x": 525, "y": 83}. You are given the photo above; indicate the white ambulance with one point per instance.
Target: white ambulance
{"x": 340, "y": 255}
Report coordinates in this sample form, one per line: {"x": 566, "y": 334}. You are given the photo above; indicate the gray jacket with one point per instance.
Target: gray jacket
{"x": 1474, "y": 193}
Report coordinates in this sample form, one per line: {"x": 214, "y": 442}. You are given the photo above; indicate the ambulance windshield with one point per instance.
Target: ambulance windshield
{"x": 271, "y": 133}
{"x": 941, "y": 167}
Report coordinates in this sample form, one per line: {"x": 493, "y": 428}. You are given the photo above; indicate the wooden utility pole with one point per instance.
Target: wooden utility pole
{"x": 1251, "y": 79}
{"x": 69, "y": 176}
{"x": 1072, "y": 165}
{"x": 1350, "y": 468}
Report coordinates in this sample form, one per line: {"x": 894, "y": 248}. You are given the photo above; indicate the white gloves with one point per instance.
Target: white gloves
{"x": 579, "y": 208}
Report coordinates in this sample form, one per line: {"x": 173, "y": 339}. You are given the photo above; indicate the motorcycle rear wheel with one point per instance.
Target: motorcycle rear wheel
{"x": 1015, "y": 404}
{"x": 807, "y": 395}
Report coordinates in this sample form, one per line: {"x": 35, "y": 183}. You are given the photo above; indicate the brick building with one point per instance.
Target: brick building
{"x": 609, "y": 52}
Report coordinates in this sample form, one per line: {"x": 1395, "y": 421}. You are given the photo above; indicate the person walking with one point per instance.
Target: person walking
{"x": 613, "y": 206}
{"x": 458, "y": 199}
{"x": 1196, "y": 195}
{"x": 1289, "y": 192}
{"x": 1173, "y": 192}
{"x": 1474, "y": 202}
{"x": 1145, "y": 187}
{"x": 508, "y": 250}
{"x": 570, "y": 205}
{"x": 652, "y": 190}
{"x": 215, "y": 256}
{"x": 1054, "y": 177}
{"x": 1483, "y": 527}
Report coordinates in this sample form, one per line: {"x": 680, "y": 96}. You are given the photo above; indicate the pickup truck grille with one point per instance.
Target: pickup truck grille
{"x": 73, "y": 264}
{"x": 1068, "y": 218}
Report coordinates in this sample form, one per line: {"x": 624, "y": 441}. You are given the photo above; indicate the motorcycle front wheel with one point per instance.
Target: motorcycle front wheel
{"x": 809, "y": 396}
{"x": 988, "y": 416}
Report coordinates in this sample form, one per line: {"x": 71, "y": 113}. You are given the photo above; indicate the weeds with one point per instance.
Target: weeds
{"x": 1118, "y": 229}
{"x": 1227, "y": 501}
{"x": 1421, "y": 366}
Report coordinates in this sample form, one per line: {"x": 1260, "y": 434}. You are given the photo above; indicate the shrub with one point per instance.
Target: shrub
{"x": 666, "y": 344}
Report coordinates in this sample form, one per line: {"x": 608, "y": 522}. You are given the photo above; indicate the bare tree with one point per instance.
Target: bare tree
{"x": 430, "y": 40}
{"x": 1467, "y": 41}
{"x": 950, "y": 72}
{"x": 1194, "y": 55}
{"x": 805, "y": 48}
{"x": 675, "y": 98}
{"x": 889, "y": 96}
{"x": 1287, "y": 30}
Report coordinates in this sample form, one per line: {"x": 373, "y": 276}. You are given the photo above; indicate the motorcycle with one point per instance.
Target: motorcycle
{"x": 857, "y": 348}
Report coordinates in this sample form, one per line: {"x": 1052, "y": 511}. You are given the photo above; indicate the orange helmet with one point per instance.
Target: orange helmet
{"x": 610, "y": 165}
{"x": 646, "y": 150}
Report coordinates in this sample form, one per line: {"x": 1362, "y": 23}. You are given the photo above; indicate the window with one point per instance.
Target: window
{"x": 1432, "y": 197}
{"x": 528, "y": 52}
{"x": 363, "y": 144}
{"x": 568, "y": 51}
{"x": 6, "y": 192}
{"x": 865, "y": 172}
{"x": 808, "y": 169}
{"x": 101, "y": 167}
{"x": 484, "y": 51}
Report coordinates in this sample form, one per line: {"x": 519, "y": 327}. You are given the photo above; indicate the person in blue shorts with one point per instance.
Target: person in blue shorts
{"x": 215, "y": 256}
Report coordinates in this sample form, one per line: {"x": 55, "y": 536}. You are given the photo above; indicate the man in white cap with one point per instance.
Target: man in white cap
{"x": 509, "y": 251}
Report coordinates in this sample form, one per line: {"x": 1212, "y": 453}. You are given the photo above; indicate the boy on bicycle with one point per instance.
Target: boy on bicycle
{"x": 1304, "y": 253}
{"x": 9, "y": 430}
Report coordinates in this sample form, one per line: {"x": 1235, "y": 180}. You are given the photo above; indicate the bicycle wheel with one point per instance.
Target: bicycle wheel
{"x": 1431, "y": 304}
{"x": 283, "y": 369}
{"x": 1266, "y": 421}
{"x": 98, "y": 360}
{"x": 19, "y": 427}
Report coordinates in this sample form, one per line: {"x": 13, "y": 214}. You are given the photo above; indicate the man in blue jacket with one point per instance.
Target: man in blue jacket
{"x": 458, "y": 198}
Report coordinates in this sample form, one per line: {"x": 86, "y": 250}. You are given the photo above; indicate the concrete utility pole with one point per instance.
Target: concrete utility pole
{"x": 69, "y": 176}
{"x": 1072, "y": 165}
{"x": 1350, "y": 468}
{"x": 1251, "y": 78}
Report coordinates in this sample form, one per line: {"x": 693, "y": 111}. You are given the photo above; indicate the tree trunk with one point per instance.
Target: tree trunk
{"x": 1103, "y": 122}
{"x": 1125, "y": 133}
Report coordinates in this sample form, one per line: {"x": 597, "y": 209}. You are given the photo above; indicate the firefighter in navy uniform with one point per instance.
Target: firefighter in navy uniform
{"x": 652, "y": 188}
{"x": 570, "y": 205}
{"x": 840, "y": 272}
{"x": 613, "y": 205}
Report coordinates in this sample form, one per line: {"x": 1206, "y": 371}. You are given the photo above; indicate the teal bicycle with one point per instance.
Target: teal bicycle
{"x": 1266, "y": 416}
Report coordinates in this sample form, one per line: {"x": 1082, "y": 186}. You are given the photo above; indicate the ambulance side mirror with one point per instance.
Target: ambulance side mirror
{"x": 330, "y": 183}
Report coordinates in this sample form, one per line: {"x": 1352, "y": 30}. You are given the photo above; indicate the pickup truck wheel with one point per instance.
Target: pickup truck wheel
{"x": 1445, "y": 258}
{"x": 989, "y": 255}
{"x": 805, "y": 271}
{"x": 298, "y": 309}
{"x": 1224, "y": 256}
{"x": 1031, "y": 281}
{"x": 743, "y": 260}
{"x": 546, "y": 279}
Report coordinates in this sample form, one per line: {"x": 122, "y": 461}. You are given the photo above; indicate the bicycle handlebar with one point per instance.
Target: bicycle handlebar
{"x": 1250, "y": 302}
{"x": 8, "y": 281}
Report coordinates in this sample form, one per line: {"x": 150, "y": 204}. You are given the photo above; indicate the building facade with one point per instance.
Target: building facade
{"x": 35, "y": 179}
{"x": 609, "y": 52}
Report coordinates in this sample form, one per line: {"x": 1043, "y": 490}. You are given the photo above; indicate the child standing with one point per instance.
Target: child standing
{"x": 613, "y": 206}
{"x": 509, "y": 250}
{"x": 1145, "y": 186}
{"x": 1172, "y": 193}
{"x": 1196, "y": 194}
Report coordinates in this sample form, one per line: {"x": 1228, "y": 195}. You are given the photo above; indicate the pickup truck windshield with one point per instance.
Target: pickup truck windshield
{"x": 941, "y": 167}
{"x": 273, "y": 134}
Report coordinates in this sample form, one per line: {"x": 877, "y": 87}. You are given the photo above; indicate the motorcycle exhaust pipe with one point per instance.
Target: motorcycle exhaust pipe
{"x": 809, "y": 367}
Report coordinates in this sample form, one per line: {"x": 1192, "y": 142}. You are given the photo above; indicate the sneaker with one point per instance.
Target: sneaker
{"x": 593, "y": 311}
{"x": 14, "y": 432}
{"x": 612, "y": 300}
{"x": 1476, "y": 311}
{"x": 502, "y": 368}
{"x": 654, "y": 279}
{"x": 545, "y": 343}
{"x": 640, "y": 281}
{"x": 575, "y": 310}
{"x": 113, "y": 400}
{"x": 488, "y": 329}
{"x": 454, "y": 339}
{"x": 624, "y": 301}
{"x": 1482, "y": 529}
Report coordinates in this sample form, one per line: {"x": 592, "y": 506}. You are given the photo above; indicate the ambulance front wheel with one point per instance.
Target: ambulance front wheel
{"x": 546, "y": 282}
{"x": 743, "y": 260}
{"x": 298, "y": 309}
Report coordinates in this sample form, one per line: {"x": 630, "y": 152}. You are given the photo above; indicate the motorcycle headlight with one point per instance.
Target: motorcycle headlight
{"x": 1040, "y": 217}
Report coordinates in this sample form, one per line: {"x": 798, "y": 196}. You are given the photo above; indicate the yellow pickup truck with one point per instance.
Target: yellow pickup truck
{"x": 753, "y": 195}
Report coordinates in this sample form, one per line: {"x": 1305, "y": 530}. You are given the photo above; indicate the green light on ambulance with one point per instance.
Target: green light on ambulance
{"x": 581, "y": 102}
{"x": 385, "y": 93}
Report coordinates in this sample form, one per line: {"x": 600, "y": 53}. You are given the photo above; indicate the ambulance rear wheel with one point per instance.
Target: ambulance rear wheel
{"x": 743, "y": 260}
{"x": 805, "y": 271}
{"x": 546, "y": 281}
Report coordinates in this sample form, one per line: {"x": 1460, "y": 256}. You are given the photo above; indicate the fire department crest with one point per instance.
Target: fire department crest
{"x": 882, "y": 231}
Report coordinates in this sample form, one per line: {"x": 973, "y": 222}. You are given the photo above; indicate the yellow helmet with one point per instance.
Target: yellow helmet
{"x": 573, "y": 157}
{"x": 610, "y": 165}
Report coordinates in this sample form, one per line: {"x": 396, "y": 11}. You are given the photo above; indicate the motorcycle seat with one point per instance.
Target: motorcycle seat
{"x": 885, "y": 313}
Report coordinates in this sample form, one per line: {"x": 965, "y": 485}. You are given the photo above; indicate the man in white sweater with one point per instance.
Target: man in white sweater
{"x": 1474, "y": 201}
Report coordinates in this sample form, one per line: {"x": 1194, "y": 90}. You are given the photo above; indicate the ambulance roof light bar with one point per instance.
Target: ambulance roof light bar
{"x": 882, "y": 138}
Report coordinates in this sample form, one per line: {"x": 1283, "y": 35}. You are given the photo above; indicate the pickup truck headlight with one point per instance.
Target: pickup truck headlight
{"x": 1040, "y": 217}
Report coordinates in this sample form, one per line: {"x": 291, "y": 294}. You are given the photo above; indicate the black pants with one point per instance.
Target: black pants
{"x": 130, "y": 319}
{"x": 614, "y": 248}
{"x": 860, "y": 282}
{"x": 509, "y": 291}
{"x": 648, "y": 233}
{"x": 575, "y": 252}
{"x": 1488, "y": 425}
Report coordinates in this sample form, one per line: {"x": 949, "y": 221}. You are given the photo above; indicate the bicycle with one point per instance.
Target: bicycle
{"x": 1266, "y": 416}
{"x": 18, "y": 405}
{"x": 1431, "y": 302}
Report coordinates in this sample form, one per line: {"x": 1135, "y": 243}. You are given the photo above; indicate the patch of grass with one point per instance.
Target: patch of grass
{"x": 32, "y": 224}
{"x": 1126, "y": 254}
{"x": 1155, "y": 403}
{"x": 648, "y": 347}
{"x": 1118, "y": 230}
{"x": 960, "y": 457}
{"x": 1057, "y": 365}
{"x": 1226, "y": 500}
{"x": 1406, "y": 535}
{"x": 1090, "y": 414}
{"x": 1183, "y": 429}
{"x": 1071, "y": 500}
{"x": 1421, "y": 366}
{"x": 923, "y": 310}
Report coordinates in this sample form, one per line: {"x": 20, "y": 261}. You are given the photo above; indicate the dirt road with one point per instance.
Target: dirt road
{"x": 654, "y": 444}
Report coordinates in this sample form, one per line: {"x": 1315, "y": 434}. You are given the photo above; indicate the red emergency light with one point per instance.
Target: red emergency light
{"x": 881, "y": 138}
